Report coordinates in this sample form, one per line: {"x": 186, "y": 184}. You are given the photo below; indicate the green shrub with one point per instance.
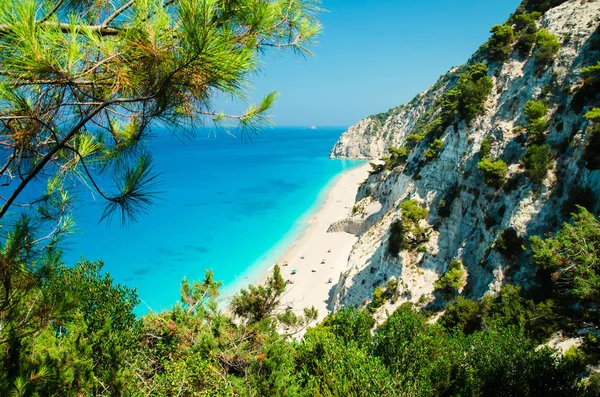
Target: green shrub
{"x": 546, "y": 48}
{"x": 535, "y": 113}
{"x": 398, "y": 156}
{"x": 535, "y": 110}
{"x": 413, "y": 140}
{"x": 378, "y": 299}
{"x": 463, "y": 315}
{"x": 434, "y": 149}
{"x": 591, "y": 153}
{"x": 473, "y": 89}
{"x": 509, "y": 243}
{"x": 453, "y": 280}
{"x": 536, "y": 130}
{"x": 407, "y": 233}
{"x": 486, "y": 148}
{"x": 582, "y": 197}
{"x": 539, "y": 6}
{"x": 537, "y": 160}
{"x": 591, "y": 74}
{"x": 413, "y": 212}
{"x": 494, "y": 172}
{"x": 527, "y": 30}
{"x": 500, "y": 44}
{"x": 447, "y": 200}
{"x": 397, "y": 240}
{"x": 593, "y": 115}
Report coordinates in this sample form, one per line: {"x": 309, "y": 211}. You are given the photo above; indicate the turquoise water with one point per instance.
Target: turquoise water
{"x": 226, "y": 204}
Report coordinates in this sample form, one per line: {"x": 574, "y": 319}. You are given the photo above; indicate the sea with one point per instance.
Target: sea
{"x": 227, "y": 202}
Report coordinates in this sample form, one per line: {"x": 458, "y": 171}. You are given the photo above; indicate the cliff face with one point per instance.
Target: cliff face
{"x": 466, "y": 215}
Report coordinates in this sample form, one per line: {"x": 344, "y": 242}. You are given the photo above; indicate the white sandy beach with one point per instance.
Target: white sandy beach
{"x": 308, "y": 252}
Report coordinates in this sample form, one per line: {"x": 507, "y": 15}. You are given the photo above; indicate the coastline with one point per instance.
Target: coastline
{"x": 307, "y": 252}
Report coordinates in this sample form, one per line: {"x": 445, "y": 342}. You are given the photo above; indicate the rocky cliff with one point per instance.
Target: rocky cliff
{"x": 466, "y": 216}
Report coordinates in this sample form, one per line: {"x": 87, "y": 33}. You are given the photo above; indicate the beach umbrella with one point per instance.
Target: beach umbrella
{"x": 314, "y": 269}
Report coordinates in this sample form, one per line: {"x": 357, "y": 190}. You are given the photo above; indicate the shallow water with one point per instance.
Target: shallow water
{"x": 226, "y": 204}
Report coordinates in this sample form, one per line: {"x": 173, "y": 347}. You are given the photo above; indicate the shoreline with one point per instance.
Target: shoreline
{"x": 313, "y": 246}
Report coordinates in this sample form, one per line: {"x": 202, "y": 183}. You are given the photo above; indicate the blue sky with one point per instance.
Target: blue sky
{"x": 375, "y": 55}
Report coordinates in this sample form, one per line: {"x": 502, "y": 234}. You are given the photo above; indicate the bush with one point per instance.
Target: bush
{"x": 453, "y": 280}
{"x": 500, "y": 44}
{"x": 463, "y": 315}
{"x": 397, "y": 240}
{"x": 486, "y": 148}
{"x": 473, "y": 89}
{"x": 378, "y": 299}
{"x": 537, "y": 160}
{"x": 536, "y": 130}
{"x": 535, "y": 113}
{"x": 398, "y": 156}
{"x": 509, "y": 243}
{"x": 546, "y": 48}
{"x": 591, "y": 153}
{"x": 535, "y": 110}
{"x": 591, "y": 74}
{"x": 447, "y": 200}
{"x": 413, "y": 212}
{"x": 494, "y": 172}
{"x": 593, "y": 115}
{"x": 527, "y": 30}
{"x": 434, "y": 149}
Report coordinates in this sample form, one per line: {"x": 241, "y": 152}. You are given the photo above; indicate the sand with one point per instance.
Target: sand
{"x": 315, "y": 245}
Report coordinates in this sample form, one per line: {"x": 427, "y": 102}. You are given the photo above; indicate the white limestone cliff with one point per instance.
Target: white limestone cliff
{"x": 479, "y": 212}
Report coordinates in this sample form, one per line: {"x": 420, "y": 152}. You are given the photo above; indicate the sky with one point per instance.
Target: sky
{"x": 374, "y": 55}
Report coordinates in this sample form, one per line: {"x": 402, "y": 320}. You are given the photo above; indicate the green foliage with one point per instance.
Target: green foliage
{"x": 329, "y": 367}
{"x": 398, "y": 156}
{"x": 494, "y": 172}
{"x": 535, "y": 110}
{"x": 577, "y": 196}
{"x": 463, "y": 314}
{"x": 539, "y": 6}
{"x": 526, "y": 28}
{"x": 447, "y": 199}
{"x": 454, "y": 280}
{"x": 500, "y": 44}
{"x": 509, "y": 243}
{"x": 591, "y": 153}
{"x": 546, "y": 48}
{"x": 537, "y": 160}
{"x": 434, "y": 149}
{"x": 591, "y": 74}
{"x": 407, "y": 233}
{"x": 259, "y": 302}
{"x": 398, "y": 239}
{"x": 413, "y": 212}
{"x": 593, "y": 115}
{"x": 486, "y": 148}
{"x": 350, "y": 325}
{"x": 535, "y": 113}
{"x": 378, "y": 299}
{"x": 508, "y": 308}
{"x": 472, "y": 90}
{"x": 572, "y": 256}
{"x": 93, "y": 78}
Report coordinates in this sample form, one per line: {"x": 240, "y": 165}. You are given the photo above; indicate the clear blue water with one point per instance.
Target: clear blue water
{"x": 226, "y": 204}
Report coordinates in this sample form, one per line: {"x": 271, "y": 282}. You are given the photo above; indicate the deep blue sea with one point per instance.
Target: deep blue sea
{"x": 227, "y": 204}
